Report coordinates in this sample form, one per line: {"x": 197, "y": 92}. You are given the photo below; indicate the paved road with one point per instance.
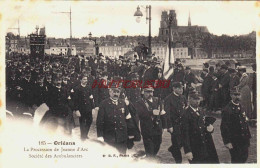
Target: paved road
{"x": 166, "y": 157}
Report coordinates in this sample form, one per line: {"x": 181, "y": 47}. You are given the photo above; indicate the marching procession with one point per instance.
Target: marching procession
{"x": 128, "y": 114}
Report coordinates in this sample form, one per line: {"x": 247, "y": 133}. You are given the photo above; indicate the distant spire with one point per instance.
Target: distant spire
{"x": 189, "y": 22}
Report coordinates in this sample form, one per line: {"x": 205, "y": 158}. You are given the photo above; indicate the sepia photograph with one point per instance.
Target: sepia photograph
{"x": 113, "y": 83}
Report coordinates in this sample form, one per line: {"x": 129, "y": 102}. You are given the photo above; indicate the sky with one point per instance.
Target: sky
{"x": 116, "y": 18}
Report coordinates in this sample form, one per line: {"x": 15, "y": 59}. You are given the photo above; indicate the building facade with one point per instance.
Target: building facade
{"x": 59, "y": 50}
{"x": 182, "y": 53}
{"x": 199, "y": 53}
{"x": 159, "y": 50}
{"x": 11, "y": 43}
{"x": 113, "y": 49}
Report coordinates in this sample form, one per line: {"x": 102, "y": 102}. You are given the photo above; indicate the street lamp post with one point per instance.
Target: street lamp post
{"x": 95, "y": 42}
{"x": 138, "y": 15}
{"x": 170, "y": 38}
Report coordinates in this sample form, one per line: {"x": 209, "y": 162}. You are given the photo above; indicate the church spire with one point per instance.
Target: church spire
{"x": 189, "y": 22}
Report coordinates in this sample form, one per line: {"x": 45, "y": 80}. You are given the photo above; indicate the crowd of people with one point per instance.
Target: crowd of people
{"x": 125, "y": 115}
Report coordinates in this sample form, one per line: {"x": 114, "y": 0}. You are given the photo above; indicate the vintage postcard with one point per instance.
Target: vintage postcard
{"x": 128, "y": 83}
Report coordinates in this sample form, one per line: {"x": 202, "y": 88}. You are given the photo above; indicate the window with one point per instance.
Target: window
{"x": 166, "y": 31}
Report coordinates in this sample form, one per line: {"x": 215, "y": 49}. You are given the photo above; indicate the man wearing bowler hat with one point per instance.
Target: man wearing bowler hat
{"x": 234, "y": 129}
{"x": 174, "y": 106}
{"x": 224, "y": 85}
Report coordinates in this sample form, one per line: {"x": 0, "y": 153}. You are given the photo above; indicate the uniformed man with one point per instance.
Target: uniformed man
{"x": 112, "y": 119}
{"x": 152, "y": 121}
{"x": 174, "y": 106}
{"x": 234, "y": 129}
{"x": 198, "y": 143}
{"x": 83, "y": 105}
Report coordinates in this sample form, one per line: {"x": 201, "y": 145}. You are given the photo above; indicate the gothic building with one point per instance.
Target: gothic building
{"x": 175, "y": 29}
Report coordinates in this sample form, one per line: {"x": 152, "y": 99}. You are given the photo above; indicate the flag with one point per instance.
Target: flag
{"x": 39, "y": 113}
{"x": 167, "y": 68}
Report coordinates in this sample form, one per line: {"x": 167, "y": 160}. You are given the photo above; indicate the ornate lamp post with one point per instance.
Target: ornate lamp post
{"x": 138, "y": 14}
{"x": 95, "y": 41}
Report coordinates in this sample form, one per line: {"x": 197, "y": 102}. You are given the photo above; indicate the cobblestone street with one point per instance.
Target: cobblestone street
{"x": 165, "y": 156}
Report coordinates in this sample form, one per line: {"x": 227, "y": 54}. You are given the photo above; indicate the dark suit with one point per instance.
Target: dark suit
{"x": 234, "y": 81}
{"x": 70, "y": 124}
{"x": 151, "y": 125}
{"x": 225, "y": 90}
{"x": 84, "y": 103}
{"x": 215, "y": 100}
{"x": 12, "y": 94}
{"x": 133, "y": 94}
{"x": 234, "y": 130}
{"x": 27, "y": 98}
{"x": 174, "y": 107}
{"x": 39, "y": 94}
{"x": 150, "y": 74}
{"x": 207, "y": 89}
{"x": 112, "y": 123}
{"x": 254, "y": 116}
{"x": 57, "y": 101}
{"x": 197, "y": 139}
{"x": 178, "y": 75}
{"x": 101, "y": 92}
